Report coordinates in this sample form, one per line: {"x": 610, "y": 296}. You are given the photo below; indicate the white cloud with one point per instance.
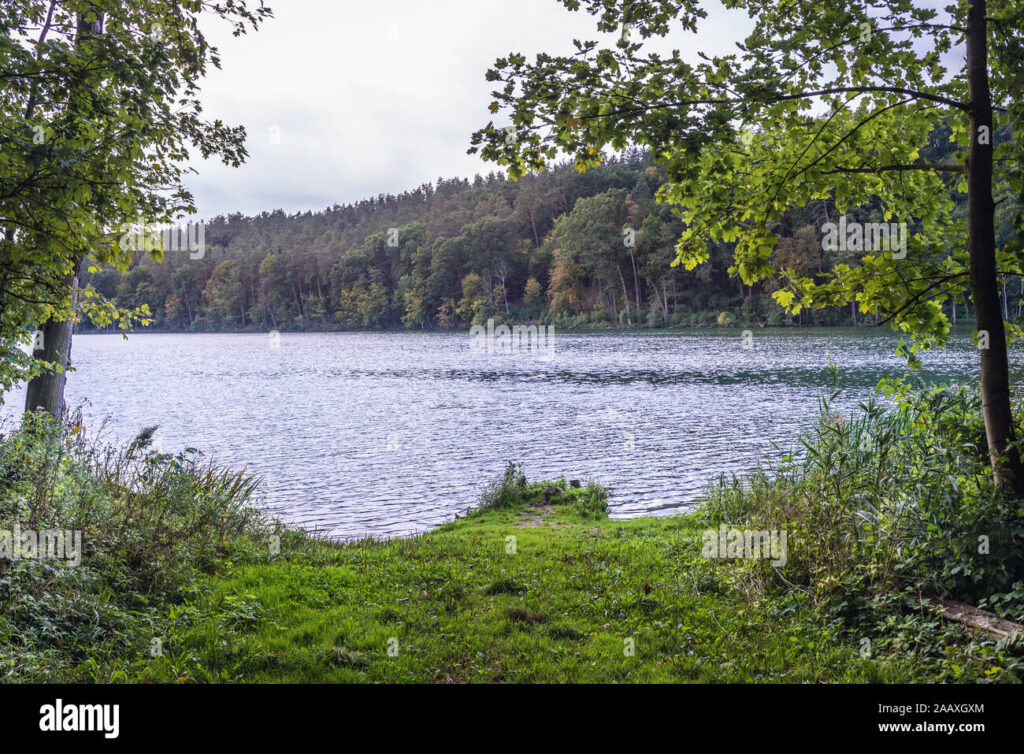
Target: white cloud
{"x": 372, "y": 98}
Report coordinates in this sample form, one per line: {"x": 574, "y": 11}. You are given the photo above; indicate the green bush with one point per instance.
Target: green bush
{"x": 507, "y": 491}
{"x": 889, "y": 504}
{"x": 590, "y": 501}
{"x": 511, "y": 490}
{"x": 150, "y": 524}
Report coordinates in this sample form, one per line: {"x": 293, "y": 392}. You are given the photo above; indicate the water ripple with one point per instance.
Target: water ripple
{"x": 390, "y": 434}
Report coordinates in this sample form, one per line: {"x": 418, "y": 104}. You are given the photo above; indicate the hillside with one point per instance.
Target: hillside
{"x": 572, "y": 249}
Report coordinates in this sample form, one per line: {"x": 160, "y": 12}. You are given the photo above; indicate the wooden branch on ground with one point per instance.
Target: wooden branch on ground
{"x": 978, "y": 619}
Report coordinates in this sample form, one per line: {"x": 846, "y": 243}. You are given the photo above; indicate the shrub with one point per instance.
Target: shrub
{"x": 151, "y": 524}
{"x": 590, "y": 501}
{"x": 507, "y": 491}
{"x": 891, "y": 501}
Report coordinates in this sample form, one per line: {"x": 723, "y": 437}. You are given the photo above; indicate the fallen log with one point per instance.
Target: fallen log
{"x": 979, "y": 619}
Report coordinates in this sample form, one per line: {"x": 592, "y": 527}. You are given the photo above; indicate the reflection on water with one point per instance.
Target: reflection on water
{"x": 389, "y": 434}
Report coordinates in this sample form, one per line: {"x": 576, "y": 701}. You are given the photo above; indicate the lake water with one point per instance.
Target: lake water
{"x": 390, "y": 434}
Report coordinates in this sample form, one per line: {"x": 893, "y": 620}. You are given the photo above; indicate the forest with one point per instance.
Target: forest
{"x": 577, "y": 250}
{"x": 639, "y": 190}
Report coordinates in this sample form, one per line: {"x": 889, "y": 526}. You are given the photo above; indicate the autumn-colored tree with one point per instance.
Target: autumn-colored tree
{"x": 566, "y": 287}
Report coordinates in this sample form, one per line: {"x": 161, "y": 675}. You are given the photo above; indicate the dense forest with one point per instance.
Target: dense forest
{"x": 574, "y": 249}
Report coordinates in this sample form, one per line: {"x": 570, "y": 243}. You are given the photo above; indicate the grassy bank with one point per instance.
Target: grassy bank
{"x": 180, "y": 581}
{"x": 573, "y": 598}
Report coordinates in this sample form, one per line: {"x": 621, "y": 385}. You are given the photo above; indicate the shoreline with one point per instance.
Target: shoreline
{"x": 537, "y": 591}
{"x": 962, "y": 326}
{"x": 535, "y": 585}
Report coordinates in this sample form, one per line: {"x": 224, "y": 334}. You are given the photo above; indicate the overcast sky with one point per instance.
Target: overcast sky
{"x": 345, "y": 100}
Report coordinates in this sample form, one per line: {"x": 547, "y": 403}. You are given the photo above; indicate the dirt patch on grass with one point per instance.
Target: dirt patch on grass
{"x": 536, "y": 519}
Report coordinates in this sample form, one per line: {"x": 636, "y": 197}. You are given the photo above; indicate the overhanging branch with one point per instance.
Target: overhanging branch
{"x": 949, "y": 168}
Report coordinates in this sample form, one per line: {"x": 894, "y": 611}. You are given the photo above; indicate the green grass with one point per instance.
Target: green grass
{"x": 565, "y": 601}
{"x": 182, "y": 581}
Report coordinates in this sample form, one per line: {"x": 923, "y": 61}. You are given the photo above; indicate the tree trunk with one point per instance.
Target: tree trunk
{"x": 501, "y": 273}
{"x": 636, "y": 284}
{"x": 995, "y": 377}
{"x": 661, "y": 303}
{"x": 615, "y": 306}
{"x": 46, "y": 391}
{"x": 625, "y": 296}
{"x": 533, "y": 224}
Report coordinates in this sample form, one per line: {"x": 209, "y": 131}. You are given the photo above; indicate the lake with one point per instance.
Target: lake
{"x": 393, "y": 433}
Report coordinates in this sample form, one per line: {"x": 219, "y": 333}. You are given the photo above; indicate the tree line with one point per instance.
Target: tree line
{"x": 576, "y": 249}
